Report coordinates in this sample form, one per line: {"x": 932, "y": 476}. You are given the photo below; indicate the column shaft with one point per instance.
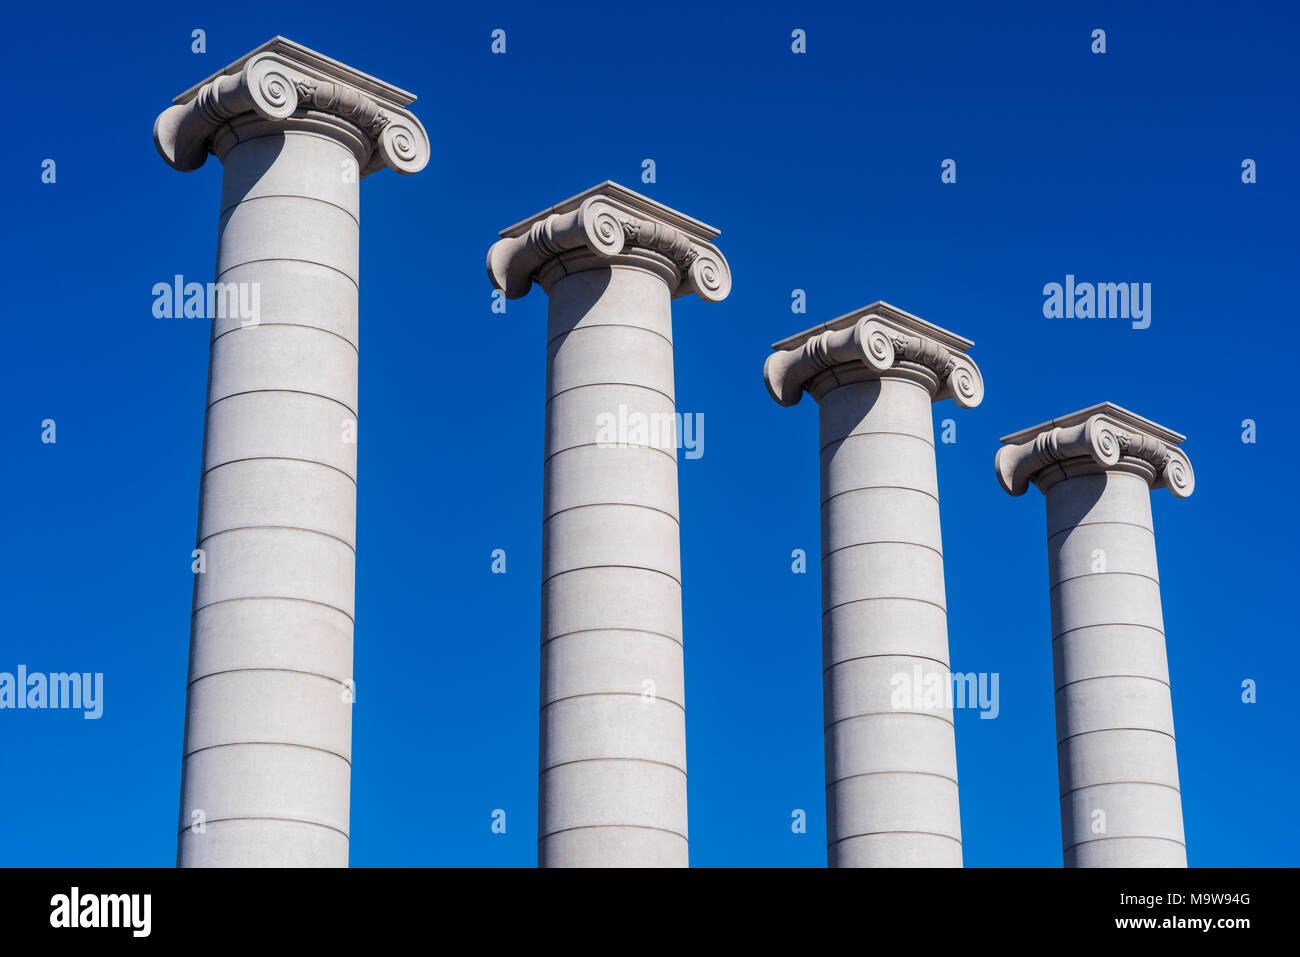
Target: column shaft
{"x": 1120, "y": 799}
{"x": 891, "y": 770}
{"x": 612, "y": 778}
{"x": 613, "y": 741}
{"x": 268, "y": 719}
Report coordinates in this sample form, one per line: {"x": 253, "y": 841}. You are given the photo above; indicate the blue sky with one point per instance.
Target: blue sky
{"x": 823, "y": 172}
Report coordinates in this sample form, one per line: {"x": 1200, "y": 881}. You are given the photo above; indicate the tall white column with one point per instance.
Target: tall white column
{"x": 267, "y": 753}
{"x": 613, "y": 709}
{"x": 891, "y": 762}
{"x": 1120, "y": 801}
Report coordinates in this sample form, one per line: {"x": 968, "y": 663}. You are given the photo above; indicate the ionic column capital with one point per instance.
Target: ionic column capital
{"x": 1103, "y": 437}
{"x": 605, "y": 225}
{"x": 287, "y": 84}
{"x": 877, "y": 341}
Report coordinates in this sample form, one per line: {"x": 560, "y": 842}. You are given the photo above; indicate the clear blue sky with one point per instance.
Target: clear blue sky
{"x": 823, "y": 173}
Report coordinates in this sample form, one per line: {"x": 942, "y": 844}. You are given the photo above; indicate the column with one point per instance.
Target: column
{"x": 612, "y": 764}
{"x": 891, "y": 761}
{"x": 268, "y": 726}
{"x": 1120, "y": 802}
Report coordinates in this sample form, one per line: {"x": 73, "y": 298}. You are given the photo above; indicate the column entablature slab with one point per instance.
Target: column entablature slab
{"x": 876, "y": 341}
{"x": 1101, "y": 438}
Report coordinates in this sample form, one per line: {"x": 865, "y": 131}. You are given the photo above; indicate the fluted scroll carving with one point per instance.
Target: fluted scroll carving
{"x": 1104, "y": 442}
{"x": 271, "y": 87}
{"x": 880, "y": 346}
{"x": 607, "y": 231}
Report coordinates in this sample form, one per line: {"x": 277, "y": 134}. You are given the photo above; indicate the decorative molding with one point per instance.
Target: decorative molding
{"x": 277, "y": 81}
{"x": 603, "y": 223}
{"x": 878, "y": 344}
{"x": 342, "y": 102}
{"x": 1103, "y": 437}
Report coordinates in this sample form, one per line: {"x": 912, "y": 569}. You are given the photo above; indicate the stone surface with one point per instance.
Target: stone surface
{"x": 1120, "y": 799}
{"x": 267, "y": 755}
{"x": 891, "y": 772}
{"x": 613, "y": 740}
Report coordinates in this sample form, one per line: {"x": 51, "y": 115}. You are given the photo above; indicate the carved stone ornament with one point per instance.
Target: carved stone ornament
{"x": 875, "y": 341}
{"x": 286, "y": 83}
{"x": 1098, "y": 438}
{"x": 610, "y": 224}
